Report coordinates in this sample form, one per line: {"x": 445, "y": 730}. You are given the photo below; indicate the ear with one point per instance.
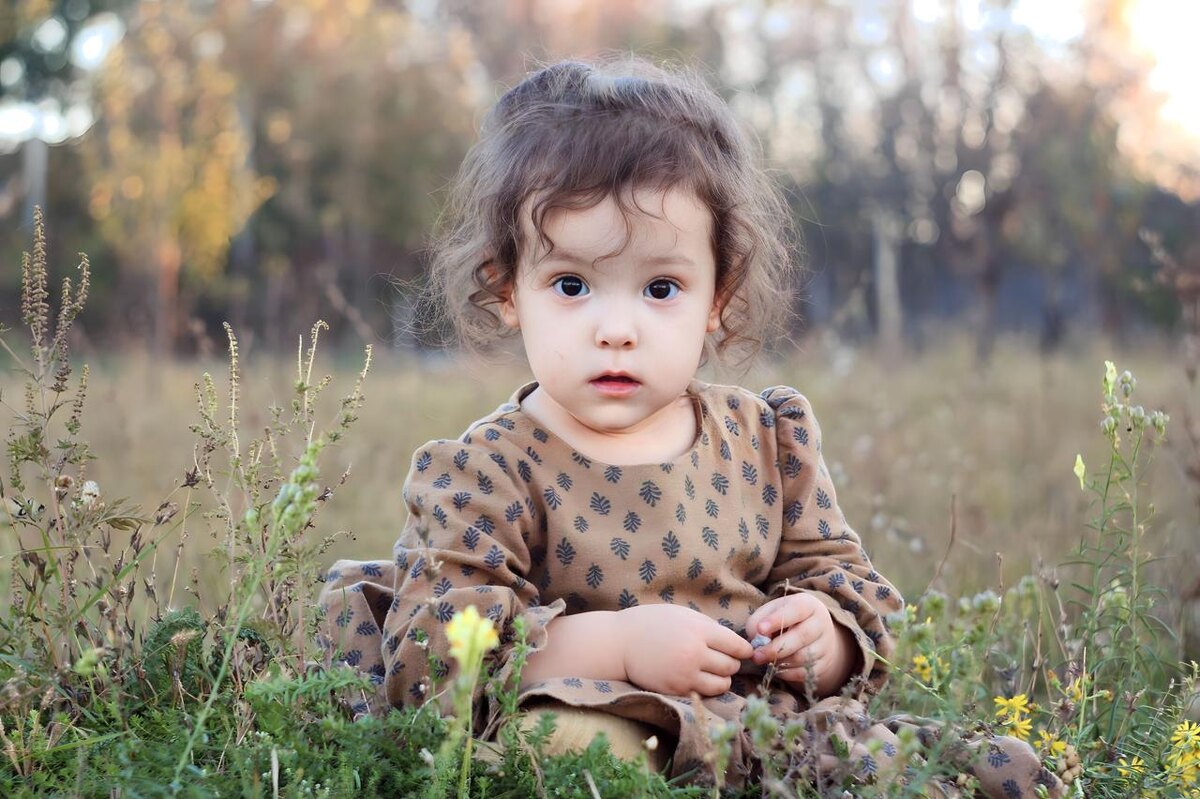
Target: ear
{"x": 714, "y": 315}
{"x": 507, "y": 304}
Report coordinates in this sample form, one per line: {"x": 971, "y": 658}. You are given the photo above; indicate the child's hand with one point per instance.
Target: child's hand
{"x": 675, "y": 650}
{"x": 804, "y": 636}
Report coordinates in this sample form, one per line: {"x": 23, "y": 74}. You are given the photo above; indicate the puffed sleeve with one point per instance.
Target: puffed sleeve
{"x": 467, "y": 541}
{"x": 820, "y": 553}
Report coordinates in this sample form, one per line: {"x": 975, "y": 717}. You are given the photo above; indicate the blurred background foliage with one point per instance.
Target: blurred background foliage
{"x": 268, "y": 162}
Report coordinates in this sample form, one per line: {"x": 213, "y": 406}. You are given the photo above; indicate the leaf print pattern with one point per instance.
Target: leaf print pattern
{"x": 564, "y": 552}
{"x": 460, "y": 459}
{"x": 711, "y": 508}
{"x": 552, "y": 499}
{"x": 613, "y": 474}
{"x": 721, "y": 483}
{"x": 620, "y": 548}
{"x": 671, "y": 545}
{"x": 595, "y": 576}
{"x": 647, "y": 571}
{"x": 471, "y": 538}
{"x": 600, "y": 504}
{"x": 564, "y": 481}
{"x": 650, "y": 493}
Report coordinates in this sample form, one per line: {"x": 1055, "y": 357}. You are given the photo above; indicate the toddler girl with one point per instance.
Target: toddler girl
{"x": 645, "y": 524}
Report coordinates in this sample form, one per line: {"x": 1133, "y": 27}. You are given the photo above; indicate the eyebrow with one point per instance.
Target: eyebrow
{"x": 658, "y": 260}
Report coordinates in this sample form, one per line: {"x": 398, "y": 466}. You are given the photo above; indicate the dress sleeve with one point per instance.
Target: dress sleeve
{"x": 467, "y": 542}
{"x": 820, "y": 553}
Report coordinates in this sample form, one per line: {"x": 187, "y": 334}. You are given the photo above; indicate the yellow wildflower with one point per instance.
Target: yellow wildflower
{"x": 1076, "y": 688}
{"x": 1134, "y": 767}
{"x": 923, "y": 668}
{"x": 1186, "y": 735}
{"x": 1018, "y": 727}
{"x": 470, "y": 635}
{"x": 1049, "y": 744}
{"x": 1013, "y": 708}
{"x": 1080, "y": 471}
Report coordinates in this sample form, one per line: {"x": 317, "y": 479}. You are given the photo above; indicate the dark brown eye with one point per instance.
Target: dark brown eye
{"x": 571, "y": 286}
{"x": 661, "y": 289}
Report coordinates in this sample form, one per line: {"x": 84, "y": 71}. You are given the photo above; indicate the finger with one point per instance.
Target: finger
{"x": 796, "y": 645}
{"x": 717, "y": 662}
{"x": 791, "y": 610}
{"x": 762, "y": 612}
{"x": 797, "y": 674}
{"x": 712, "y": 684}
{"x": 725, "y": 640}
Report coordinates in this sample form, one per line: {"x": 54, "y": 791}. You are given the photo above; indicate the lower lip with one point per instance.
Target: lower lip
{"x": 616, "y": 388}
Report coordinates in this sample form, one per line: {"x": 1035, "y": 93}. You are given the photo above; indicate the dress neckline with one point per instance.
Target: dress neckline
{"x": 544, "y": 434}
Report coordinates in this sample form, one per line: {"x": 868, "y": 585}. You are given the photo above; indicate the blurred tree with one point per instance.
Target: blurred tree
{"x": 166, "y": 161}
{"x": 35, "y": 44}
{"x": 360, "y": 112}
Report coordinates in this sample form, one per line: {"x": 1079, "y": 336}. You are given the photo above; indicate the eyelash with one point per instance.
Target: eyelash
{"x": 558, "y": 280}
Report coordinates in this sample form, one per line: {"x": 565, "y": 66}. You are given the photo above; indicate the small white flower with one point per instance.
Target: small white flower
{"x": 89, "y": 494}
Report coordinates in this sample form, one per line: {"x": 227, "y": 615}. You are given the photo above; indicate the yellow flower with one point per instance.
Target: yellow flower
{"x": 470, "y": 635}
{"x": 1076, "y": 688}
{"x": 1049, "y": 744}
{"x": 1080, "y": 471}
{"x": 1013, "y": 708}
{"x": 1186, "y": 735}
{"x": 1018, "y": 727}
{"x": 1132, "y": 768}
{"x": 923, "y": 668}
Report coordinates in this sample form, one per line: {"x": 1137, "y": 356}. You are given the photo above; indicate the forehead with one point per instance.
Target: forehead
{"x": 656, "y": 222}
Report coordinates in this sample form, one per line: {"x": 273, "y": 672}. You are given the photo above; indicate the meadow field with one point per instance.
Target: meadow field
{"x": 191, "y": 658}
{"x": 902, "y": 443}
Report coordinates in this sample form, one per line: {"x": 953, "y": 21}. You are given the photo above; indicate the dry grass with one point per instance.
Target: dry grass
{"x": 900, "y": 442}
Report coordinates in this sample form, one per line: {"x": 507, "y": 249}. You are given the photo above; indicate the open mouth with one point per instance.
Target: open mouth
{"x": 616, "y": 385}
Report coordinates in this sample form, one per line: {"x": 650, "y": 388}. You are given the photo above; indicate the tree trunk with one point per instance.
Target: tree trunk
{"x": 885, "y": 227}
{"x": 166, "y": 310}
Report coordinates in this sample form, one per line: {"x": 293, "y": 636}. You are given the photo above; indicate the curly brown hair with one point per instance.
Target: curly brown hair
{"x": 571, "y": 135}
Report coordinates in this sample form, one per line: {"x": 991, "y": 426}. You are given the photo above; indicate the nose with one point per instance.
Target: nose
{"x": 616, "y": 330}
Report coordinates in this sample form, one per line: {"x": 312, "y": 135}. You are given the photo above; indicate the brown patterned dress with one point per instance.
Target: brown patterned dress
{"x": 519, "y": 524}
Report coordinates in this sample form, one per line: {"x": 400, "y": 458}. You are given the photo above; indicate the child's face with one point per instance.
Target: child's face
{"x": 644, "y": 312}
